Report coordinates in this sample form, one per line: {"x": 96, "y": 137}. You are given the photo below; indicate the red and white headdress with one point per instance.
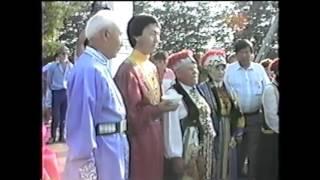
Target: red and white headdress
{"x": 213, "y": 57}
{"x": 177, "y": 60}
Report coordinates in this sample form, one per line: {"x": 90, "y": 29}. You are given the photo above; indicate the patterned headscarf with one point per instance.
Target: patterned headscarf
{"x": 214, "y": 57}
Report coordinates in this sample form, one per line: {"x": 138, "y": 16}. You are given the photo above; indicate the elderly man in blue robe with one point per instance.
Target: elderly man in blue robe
{"x": 96, "y": 125}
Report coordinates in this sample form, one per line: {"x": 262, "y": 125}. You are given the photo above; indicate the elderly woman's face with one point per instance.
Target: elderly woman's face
{"x": 216, "y": 72}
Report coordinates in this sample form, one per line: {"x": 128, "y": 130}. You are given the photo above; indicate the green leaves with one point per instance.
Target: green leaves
{"x": 54, "y": 16}
{"x": 201, "y": 25}
{"x": 183, "y": 25}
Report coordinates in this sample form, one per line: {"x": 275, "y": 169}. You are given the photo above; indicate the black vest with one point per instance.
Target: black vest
{"x": 192, "y": 118}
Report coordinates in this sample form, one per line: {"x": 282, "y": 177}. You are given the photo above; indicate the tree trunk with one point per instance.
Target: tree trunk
{"x": 265, "y": 48}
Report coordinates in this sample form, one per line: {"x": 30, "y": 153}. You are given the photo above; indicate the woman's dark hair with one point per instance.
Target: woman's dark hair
{"x": 242, "y": 44}
{"x": 277, "y": 78}
{"x": 136, "y": 26}
{"x": 86, "y": 42}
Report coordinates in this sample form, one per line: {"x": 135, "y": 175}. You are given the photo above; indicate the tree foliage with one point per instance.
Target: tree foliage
{"x": 192, "y": 25}
{"x": 183, "y": 26}
{"x": 54, "y": 15}
{"x": 63, "y": 22}
{"x": 74, "y": 24}
{"x": 211, "y": 24}
{"x": 260, "y": 15}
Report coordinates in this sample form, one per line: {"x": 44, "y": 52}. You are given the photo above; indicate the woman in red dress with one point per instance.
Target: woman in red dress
{"x": 50, "y": 169}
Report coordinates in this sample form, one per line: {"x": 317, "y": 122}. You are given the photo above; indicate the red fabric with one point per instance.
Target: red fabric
{"x": 176, "y": 58}
{"x": 169, "y": 74}
{"x": 50, "y": 168}
{"x": 144, "y": 133}
{"x": 212, "y": 52}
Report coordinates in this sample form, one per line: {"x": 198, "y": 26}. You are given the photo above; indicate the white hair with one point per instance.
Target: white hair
{"x": 101, "y": 20}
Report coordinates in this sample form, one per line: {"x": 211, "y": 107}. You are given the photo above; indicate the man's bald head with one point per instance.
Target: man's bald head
{"x": 102, "y": 20}
{"x": 104, "y": 33}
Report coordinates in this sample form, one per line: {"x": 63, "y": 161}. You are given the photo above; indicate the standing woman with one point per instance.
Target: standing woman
{"x": 268, "y": 147}
{"x": 227, "y": 119}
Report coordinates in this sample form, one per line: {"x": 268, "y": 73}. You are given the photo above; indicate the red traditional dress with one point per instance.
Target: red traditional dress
{"x": 138, "y": 82}
{"x": 50, "y": 169}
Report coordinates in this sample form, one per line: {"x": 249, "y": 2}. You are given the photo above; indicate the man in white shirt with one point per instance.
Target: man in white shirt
{"x": 247, "y": 79}
{"x": 188, "y": 131}
{"x": 57, "y": 74}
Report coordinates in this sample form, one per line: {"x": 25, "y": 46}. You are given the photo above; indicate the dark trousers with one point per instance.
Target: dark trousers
{"x": 249, "y": 145}
{"x": 169, "y": 174}
{"x": 59, "y": 108}
{"x": 268, "y": 159}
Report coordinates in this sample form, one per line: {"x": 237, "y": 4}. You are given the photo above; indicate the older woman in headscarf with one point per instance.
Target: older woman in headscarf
{"x": 267, "y": 161}
{"x": 227, "y": 118}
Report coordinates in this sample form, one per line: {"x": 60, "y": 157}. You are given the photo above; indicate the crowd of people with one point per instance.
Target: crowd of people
{"x": 178, "y": 116}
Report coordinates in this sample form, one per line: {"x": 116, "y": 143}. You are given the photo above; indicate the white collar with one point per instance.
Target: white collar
{"x": 218, "y": 84}
{"x": 240, "y": 67}
{"x": 186, "y": 87}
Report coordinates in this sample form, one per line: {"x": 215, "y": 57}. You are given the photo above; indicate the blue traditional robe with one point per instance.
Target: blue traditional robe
{"x": 94, "y": 98}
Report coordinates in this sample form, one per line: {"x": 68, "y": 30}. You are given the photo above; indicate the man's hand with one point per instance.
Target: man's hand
{"x": 166, "y": 106}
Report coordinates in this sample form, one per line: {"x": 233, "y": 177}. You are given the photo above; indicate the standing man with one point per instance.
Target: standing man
{"x": 98, "y": 146}
{"x": 57, "y": 84}
{"x": 188, "y": 131}
{"x": 247, "y": 79}
{"x": 138, "y": 81}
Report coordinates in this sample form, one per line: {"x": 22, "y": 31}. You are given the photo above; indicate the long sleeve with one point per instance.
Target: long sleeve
{"x": 270, "y": 106}
{"x": 48, "y": 98}
{"x": 49, "y": 77}
{"x": 139, "y": 113}
{"x": 226, "y": 80}
{"x": 173, "y": 142}
{"x": 83, "y": 89}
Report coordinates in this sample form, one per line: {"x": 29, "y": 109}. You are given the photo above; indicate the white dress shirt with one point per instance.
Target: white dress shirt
{"x": 248, "y": 84}
{"x": 270, "y": 102}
